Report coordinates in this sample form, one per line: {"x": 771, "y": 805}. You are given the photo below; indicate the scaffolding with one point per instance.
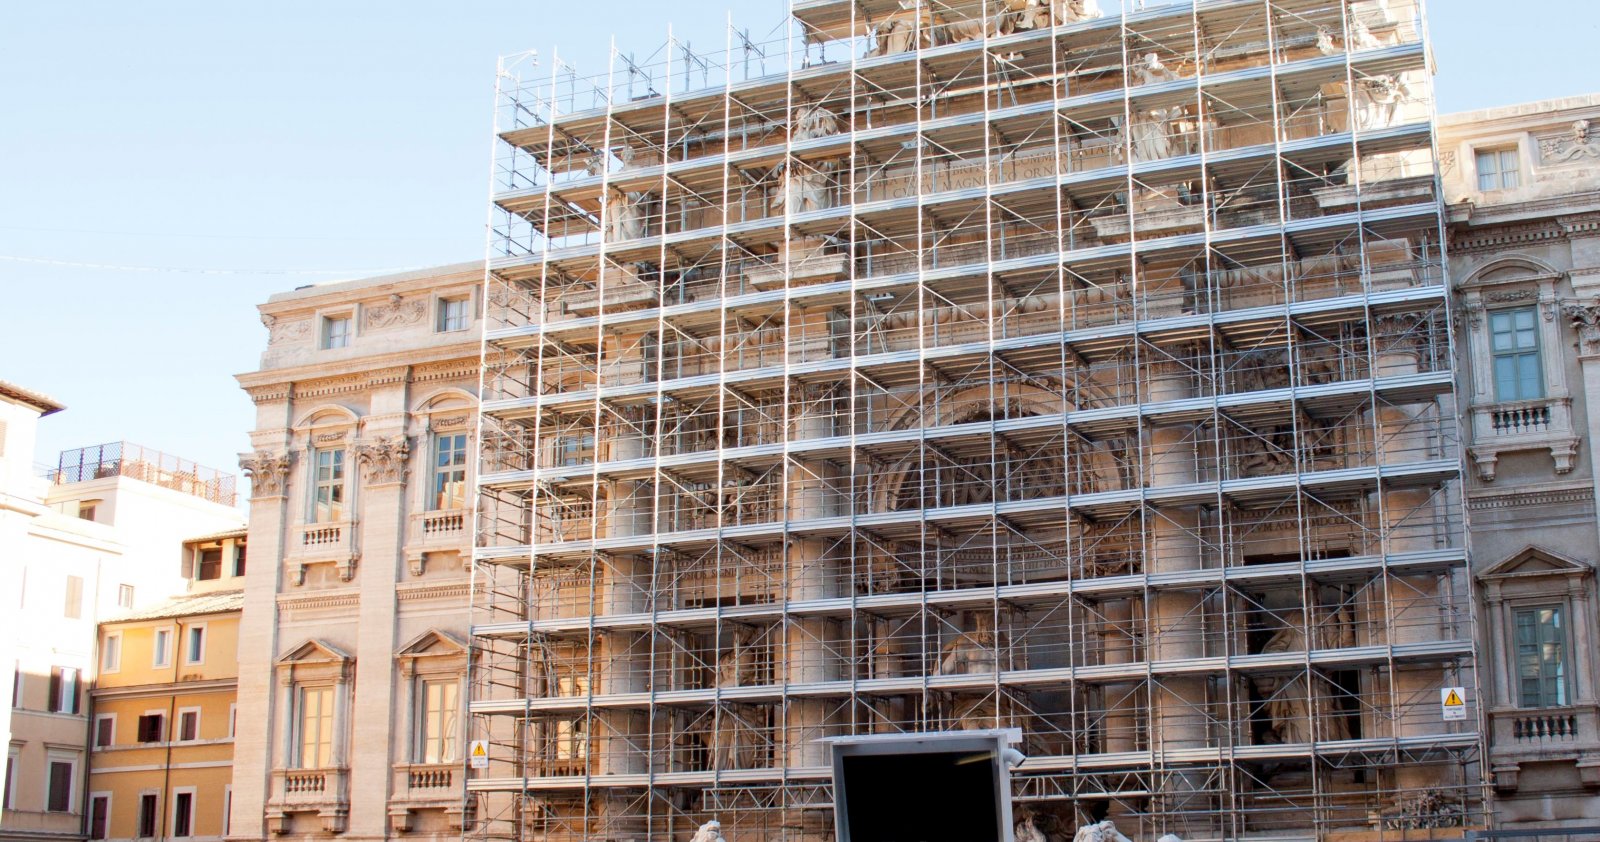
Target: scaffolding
{"x": 919, "y": 366}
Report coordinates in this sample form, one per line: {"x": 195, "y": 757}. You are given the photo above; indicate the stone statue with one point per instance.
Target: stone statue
{"x": 1325, "y": 44}
{"x": 1170, "y": 838}
{"x": 1152, "y": 133}
{"x": 804, "y": 189}
{"x": 1378, "y": 101}
{"x": 1028, "y": 830}
{"x": 1288, "y": 700}
{"x": 901, "y": 31}
{"x": 736, "y": 667}
{"x": 711, "y": 831}
{"x": 1072, "y": 11}
{"x": 1362, "y": 36}
{"x": 969, "y": 653}
{"x": 1427, "y": 810}
{"x": 974, "y": 29}
{"x": 1105, "y": 831}
{"x": 812, "y": 122}
{"x": 625, "y": 216}
{"x": 1150, "y": 71}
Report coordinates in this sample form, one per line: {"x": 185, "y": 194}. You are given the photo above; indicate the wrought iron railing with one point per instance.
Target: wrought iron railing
{"x": 124, "y": 459}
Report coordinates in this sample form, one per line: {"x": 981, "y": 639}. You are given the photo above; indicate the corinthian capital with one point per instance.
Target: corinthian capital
{"x": 1586, "y": 321}
{"x": 268, "y": 473}
{"x": 383, "y": 461}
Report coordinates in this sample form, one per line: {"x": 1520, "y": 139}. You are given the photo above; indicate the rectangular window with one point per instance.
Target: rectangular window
{"x": 87, "y": 510}
{"x": 105, "y": 730}
{"x": 182, "y": 814}
{"x": 453, "y": 315}
{"x": 316, "y": 727}
{"x": 449, "y": 471}
{"x": 238, "y": 560}
{"x": 111, "y": 653}
{"x": 99, "y": 814}
{"x": 327, "y": 489}
{"x": 58, "y": 796}
{"x": 440, "y": 720}
{"x": 152, "y": 728}
{"x": 1541, "y": 657}
{"x": 189, "y": 725}
{"x": 74, "y": 606}
{"x": 147, "y": 815}
{"x": 161, "y": 648}
{"x": 210, "y": 564}
{"x": 194, "y": 648}
{"x": 1498, "y": 169}
{"x": 124, "y": 596}
{"x": 227, "y": 809}
{"x": 233, "y": 721}
{"x": 11, "y": 771}
{"x": 1514, "y": 347}
{"x": 335, "y": 332}
{"x": 63, "y": 690}
{"x": 575, "y": 449}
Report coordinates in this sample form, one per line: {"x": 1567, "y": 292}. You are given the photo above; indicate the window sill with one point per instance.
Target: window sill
{"x": 1511, "y": 426}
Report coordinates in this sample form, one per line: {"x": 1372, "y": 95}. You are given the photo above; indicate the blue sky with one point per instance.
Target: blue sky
{"x": 275, "y": 145}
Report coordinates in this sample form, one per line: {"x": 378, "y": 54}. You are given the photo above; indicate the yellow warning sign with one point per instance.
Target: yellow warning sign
{"x": 478, "y": 754}
{"x": 1453, "y": 702}
{"x": 1452, "y": 698}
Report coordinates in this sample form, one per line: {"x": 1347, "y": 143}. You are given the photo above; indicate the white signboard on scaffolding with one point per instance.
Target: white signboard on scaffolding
{"x": 1453, "y": 700}
{"x": 478, "y": 754}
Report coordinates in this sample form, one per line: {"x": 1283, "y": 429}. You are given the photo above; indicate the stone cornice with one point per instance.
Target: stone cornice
{"x": 315, "y": 601}
{"x": 1526, "y": 496}
{"x": 1504, "y": 236}
{"x": 270, "y": 393}
{"x": 464, "y": 355}
{"x": 459, "y": 589}
{"x": 166, "y": 688}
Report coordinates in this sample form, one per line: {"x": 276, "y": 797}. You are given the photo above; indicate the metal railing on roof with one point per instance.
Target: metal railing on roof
{"x": 124, "y": 459}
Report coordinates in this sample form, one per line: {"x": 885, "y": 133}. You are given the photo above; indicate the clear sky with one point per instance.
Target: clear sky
{"x": 278, "y": 144}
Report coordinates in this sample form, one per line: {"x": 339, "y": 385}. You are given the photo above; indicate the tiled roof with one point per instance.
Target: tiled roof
{"x": 44, "y": 403}
{"x": 188, "y": 606}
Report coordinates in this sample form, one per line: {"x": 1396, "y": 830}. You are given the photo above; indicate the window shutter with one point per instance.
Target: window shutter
{"x": 54, "y": 705}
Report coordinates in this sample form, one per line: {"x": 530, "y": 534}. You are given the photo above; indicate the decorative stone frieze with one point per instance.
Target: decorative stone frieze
{"x": 396, "y": 312}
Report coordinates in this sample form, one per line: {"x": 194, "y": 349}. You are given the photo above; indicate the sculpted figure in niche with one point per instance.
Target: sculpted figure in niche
{"x": 803, "y": 190}
{"x": 737, "y": 666}
{"x": 1002, "y": 22}
{"x": 1288, "y": 700}
{"x": 709, "y": 832}
{"x": 900, "y": 32}
{"x": 734, "y": 748}
{"x": 1325, "y": 44}
{"x": 1152, "y": 133}
{"x": 1028, "y": 830}
{"x": 1362, "y": 36}
{"x": 625, "y": 216}
{"x": 1378, "y": 101}
{"x": 1149, "y": 71}
{"x": 970, "y": 653}
{"x": 812, "y": 122}
{"x": 1105, "y": 831}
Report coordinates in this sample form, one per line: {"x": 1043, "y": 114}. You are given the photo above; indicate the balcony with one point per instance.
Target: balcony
{"x": 435, "y": 531}
{"x": 1570, "y": 733}
{"x": 313, "y": 543}
{"x": 325, "y": 792}
{"x": 1523, "y": 425}
{"x": 426, "y": 786}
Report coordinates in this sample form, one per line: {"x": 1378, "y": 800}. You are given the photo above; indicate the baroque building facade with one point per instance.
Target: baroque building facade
{"x": 1080, "y": 368}
{"x": 1523, "y": 186}
{"x": 353, "y": 638}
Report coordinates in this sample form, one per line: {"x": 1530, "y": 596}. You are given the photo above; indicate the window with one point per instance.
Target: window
{"x": 124, "y": 596}
{"x": 194, "y": 648}
{"x": 227, "y": 809}
{"x": 152, "y": 728}
{"x": 105, "y": 730}
{"x": 453, "y": 315}
{"x": 233, "y": 721}
{"x": 183, "y": 813}
{"x": 335, "y": 332}
{"x": 161, "y": 648}
{"x": 572, "y": 739}
{"x": 575, "y": 450}
{"x": 16, "y": 686}
{"x": 11, "y": 770}
{"x": 327, "y": 491}
{"x": 1514, "y": 345}
{"x": 58, "y": 793}
{"x": 1498, "y": 170}
{"x": 63, "y": 690}
{"x": 188, "y": 725}
{"x": 440, "y": 720}
{"x": 238, "y": 560}
{"x": 210, "y": 564}
{"x": 99, "y": 814}
{"x": 1541, "y": 657}
{"x": 316, "y": 727}
{"x": 147, "y": 815}
{"x": 111, "y": 653}
{"x": 449, "y": 471}
{"x": 87, "y": 509}
{"x": 74, "y": 606}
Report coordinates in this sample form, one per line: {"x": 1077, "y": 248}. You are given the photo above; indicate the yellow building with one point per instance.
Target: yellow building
{"x": 163, "y": 716}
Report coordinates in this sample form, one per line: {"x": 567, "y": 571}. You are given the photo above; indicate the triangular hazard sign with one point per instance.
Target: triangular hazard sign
{"x": 1453, "y": 699}
{"x": 478, "y": 751}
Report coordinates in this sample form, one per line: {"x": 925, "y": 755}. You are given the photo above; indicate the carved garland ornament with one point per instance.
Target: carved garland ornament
{"x": 384, "y": 461}
{"x": 269, "y": 474}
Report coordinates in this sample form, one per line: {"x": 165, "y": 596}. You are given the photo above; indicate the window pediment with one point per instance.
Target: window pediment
{"x": 1533, "y": 561}
{"x": 315, "y": 653}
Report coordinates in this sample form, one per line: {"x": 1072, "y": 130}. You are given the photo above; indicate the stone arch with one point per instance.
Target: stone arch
{"x": 445, "y": 399}
{"x": 1523, "y": 265}
{"x": 327, "y": 415}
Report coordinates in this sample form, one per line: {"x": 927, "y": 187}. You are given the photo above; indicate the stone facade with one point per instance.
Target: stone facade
{"x": 352, "y": 647}
{"x": 1523, "y": 188}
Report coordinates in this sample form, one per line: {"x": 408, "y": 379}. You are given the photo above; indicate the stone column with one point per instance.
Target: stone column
{"x": 254, "y": 756}
{"x": 1177, "y": 631}
{"x": 1116, "y": 642}
{"x": 365, "y": 739}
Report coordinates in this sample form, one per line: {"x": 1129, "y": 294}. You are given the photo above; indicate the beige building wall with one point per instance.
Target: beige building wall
{"x": 161, "y": 735}
{"x": 1523, "y": 187}
{"x": 355, "y": 603}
